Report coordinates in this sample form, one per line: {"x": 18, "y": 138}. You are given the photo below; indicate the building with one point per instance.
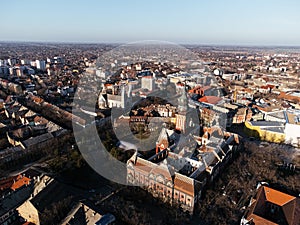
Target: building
{"x": 25, "y": 62}
{"x": 166, "y": 110}
{"x": 276, "y": 116}
{"x": 293, "y": 96}
{"x": 272, "y": 207}
{"x": 182, "y": 116}
{"x": 115, "y": 96}
{"x": 148, "y": 82}
{"x": 11, "y": 201}
{"x": 3, "y": 62}
{"x": 40, "y": 64}
{"x": 85, "y": 214}
{"x": 202, "y": 91}
{"x": 178, "y": 173}
{"x": 292, "y": 127}
{"x": 4, "y": 70}
{"x": 207, "y": 117}
{"x": 12, "y": 61}
{"x": 102, "y": 73}
{"x": 266, "y": 131}
{"x": 45, "y": 191}
{"x": 58, "y": 60}
{"x": 241, "y": 115}
{"x": 14, "y": 192}
{"x": 210, "y": 100}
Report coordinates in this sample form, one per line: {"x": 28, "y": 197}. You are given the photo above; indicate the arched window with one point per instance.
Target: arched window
{"x": 151, "y": 176}
{"x": 130, "y": 178}
{"x": 160, "y": 179}
{"x": 169, "y": 184}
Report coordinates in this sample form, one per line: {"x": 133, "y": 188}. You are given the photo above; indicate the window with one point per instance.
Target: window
{"x": 273, "y": 208}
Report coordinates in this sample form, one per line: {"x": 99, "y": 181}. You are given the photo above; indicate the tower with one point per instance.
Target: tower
{"x": 128, "y": 99}
{"x": 123, "y": 97}
{"x": 181, "y": 123}
{"x": 183, "y": 103}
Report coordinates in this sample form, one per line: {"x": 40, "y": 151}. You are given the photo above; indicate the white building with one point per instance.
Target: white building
{"x": 292, "y": 134}
{"x": 3, "y": 62}
{"x": 102, "y": 74}
{"x": 12, "y": 62}
{"x": 33, "y": 63}
{"x": 25, "y": 62}
{"x": 40, "y": 64}
{"x": 148, "y": 82}
{"x": 292, "y": 127}
{"x": 117, "y": 100}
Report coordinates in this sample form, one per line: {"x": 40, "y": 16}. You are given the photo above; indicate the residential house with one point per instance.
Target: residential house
{"x": 272, "y": 207}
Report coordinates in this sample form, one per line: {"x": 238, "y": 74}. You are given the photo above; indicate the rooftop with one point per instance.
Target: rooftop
{"x": 210, "y": 99}
{"x": 271, "y": 206}
{"x": 266, "y": 124}
{"x": 277, "y": 197}
{"x": 20, "y": 182}
{"x": 82, "y": 214}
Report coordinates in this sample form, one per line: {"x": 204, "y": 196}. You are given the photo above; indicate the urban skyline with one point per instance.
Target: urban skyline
{"x": 149, "y": 112}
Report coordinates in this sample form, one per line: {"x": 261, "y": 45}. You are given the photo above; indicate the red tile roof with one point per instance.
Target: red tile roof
{"x": 257, "y": 220}
{"x": 20, "y": 183}
{"x": 277, "y": 197}
{"x": 210, "y": 99}
{"x": 289, "y": 205}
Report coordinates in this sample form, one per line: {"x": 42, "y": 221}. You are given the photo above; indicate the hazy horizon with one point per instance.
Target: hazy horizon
{"x": 216, "y": 22}
{"x": 122, "y": 43}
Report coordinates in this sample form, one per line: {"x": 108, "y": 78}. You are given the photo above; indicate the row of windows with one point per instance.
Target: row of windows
{"x": 7, "y": 215}
{"x": 160, "y": 187}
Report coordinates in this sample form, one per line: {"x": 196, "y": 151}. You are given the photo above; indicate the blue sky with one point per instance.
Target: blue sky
{"x": 255, "y": 22}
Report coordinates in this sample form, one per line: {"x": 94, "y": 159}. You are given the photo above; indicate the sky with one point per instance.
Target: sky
{"x": 220, "y": 22}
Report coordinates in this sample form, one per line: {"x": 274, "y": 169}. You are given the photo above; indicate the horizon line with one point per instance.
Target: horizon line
{"x": 179, "y": 43}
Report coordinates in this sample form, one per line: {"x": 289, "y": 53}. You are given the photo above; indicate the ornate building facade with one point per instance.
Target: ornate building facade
{"x": 179, "y": 175}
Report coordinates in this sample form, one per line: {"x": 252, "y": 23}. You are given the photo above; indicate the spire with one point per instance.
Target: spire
{"x": 183, "y": 102}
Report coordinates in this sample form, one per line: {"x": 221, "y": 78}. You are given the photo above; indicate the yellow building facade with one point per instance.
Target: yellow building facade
{"x": 264, "y": 133}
